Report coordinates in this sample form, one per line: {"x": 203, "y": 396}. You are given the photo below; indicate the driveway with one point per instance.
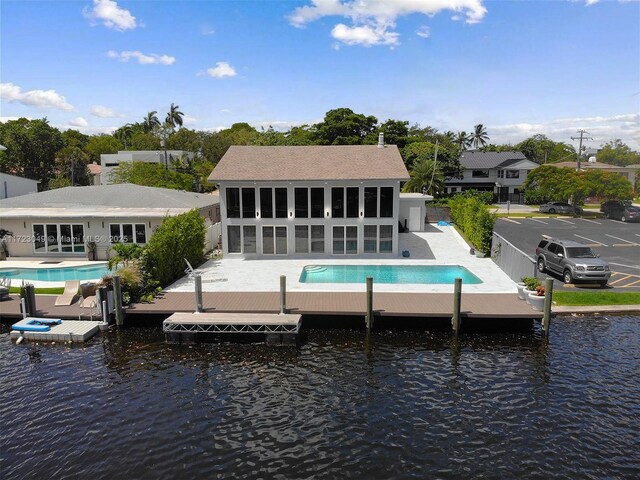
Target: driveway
{"x": 616, "y": 242}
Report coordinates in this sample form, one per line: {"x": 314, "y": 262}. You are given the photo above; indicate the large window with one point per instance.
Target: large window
{"x": 282, "y": 209}
{"x": 248, "y": 203}
{"x": 249, "y": 238}
{"x": 302, "y": 202}
{"x": 233, "y": 203}
{"x": 124, "y": 233}
{"x": 55, "y": 238}
{"x": 317, "y": 202}
{"x": 345, "y": 240}
{"x": 233, "y": 238}
{"x": 274, "y": 240}
{"x": 337, "y": 202}
{"x": 266, "y": 203}
{"x": 480, "y": 173}
{"x": 353, "y": 202}
{"x": 370, "y": 202}
{"x": 513, "y": 173}
{"x": 386, "y": 202}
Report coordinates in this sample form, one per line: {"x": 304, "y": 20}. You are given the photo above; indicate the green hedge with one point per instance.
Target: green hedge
{"x": 175, "y": 239}
{"x": 473, "y": 217}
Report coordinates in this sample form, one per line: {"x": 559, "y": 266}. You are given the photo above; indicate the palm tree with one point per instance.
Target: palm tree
{"x": 124, "y": 134}
{"x": 426, "y": 177}
{"x": 174, "y": 117}
{"x": 479, "y": 137}
{"x": 150, "y": 121}
{"x": 462, "y": 140}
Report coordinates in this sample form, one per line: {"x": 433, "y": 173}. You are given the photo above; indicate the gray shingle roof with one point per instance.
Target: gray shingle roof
{"x": 124, "y": 195}
{"x": 334, "y": 162}
{"x": 477, "y": 159}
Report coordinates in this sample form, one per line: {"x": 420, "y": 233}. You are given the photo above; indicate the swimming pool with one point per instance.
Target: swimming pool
{"x": 89, "y": 272}
{"x": 427, "y": 274}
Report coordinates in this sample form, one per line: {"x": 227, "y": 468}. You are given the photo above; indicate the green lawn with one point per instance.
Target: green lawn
{"x": 596, "y": 298}
{"x": 41, "y": 291}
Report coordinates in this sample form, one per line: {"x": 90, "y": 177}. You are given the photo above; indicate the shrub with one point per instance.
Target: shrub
{"x": 175, "y": 239}
{"x": 473, "y": 217}
{"x": 531, "y": 283}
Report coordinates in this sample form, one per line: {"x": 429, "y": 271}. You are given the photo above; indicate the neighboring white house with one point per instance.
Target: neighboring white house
{"x": 502, "y": 173}
{"x": 109, "y": 161}
{"x": 60, "y": 222}
{"x": 311, "y": 200}
{"x": 13, "y": 185}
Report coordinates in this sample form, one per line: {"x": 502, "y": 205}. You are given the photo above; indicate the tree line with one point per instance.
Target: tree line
{"x": 37, "y": 150}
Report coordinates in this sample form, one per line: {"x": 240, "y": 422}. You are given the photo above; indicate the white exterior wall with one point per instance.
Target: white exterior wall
{"x": 112, "y": 160}
{"x": 328, "y": 222}
{"x": 14, "y": 186}
{"x": 405, "y": 211}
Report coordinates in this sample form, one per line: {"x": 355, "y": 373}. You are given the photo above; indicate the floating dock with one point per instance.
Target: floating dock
{"x": 65, "y": 331}
{"x": 187, "y": 327}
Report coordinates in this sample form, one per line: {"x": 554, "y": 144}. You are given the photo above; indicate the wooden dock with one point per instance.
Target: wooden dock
{"x": 66, "y": 331}
{"x": 385, "y": 304}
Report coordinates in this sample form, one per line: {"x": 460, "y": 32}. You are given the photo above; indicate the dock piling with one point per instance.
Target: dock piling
{"x": 198, "y": 282}
{"x": 548, "y": 300}
{"x": 283, "y": 294}
{"x": 117, "y": 295}
{"x": 457, "y": 300}
{"x": 105, "y": 316}
{"x": 369, "y": 317}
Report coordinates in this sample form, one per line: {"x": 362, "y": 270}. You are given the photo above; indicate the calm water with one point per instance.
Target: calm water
{"x": 386, "y": 274}
{"x": 401, "y": 405}
{"x": 56, "y": 274}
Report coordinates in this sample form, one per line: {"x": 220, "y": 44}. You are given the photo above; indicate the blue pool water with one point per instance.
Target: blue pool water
{"x": 386, "y": 274}
{"x": 90, "y": 272}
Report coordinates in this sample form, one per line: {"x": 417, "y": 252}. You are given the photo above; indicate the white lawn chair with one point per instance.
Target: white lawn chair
{"x": 5, "y": 286}
{"x": 70, "y": 293}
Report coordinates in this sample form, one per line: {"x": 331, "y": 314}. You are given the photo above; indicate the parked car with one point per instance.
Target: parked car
{"x": 621, "y": 211}
{"x": 559, "y": 207}
{"x": 574, "y": 261}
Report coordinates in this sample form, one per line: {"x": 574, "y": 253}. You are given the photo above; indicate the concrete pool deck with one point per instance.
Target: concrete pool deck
{"x": 437, "y": 246}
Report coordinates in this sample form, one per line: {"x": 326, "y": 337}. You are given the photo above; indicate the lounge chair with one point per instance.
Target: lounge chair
{"x": 70, "y": 293}
{"x": 190, "y": 270}
{"x": 5, "y": 285}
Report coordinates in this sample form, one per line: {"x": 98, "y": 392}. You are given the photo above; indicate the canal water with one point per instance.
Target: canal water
{"x": 398, "y": 405}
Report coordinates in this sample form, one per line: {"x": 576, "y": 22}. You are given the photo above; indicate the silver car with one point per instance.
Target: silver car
{"x": 574, "y": 261}
{"x": 559, "y": 207}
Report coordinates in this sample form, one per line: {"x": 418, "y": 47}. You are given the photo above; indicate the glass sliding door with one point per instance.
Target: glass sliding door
{"x": 351, "y": 241}
{"x": 65, "y": 238}
{"x": 233, "y": 238}
{"x": 302, "y": 239}
{"x": 386, "y": 238}
{"x": 317, "y": 239}
{"x": 249, "y": 238}
{"x": 274, "y": 240}
{"x": 281, "y": 240}
{"x": 267, "y": 241}
{"x": 40, "y": 239}
{"x": 52, "y": 239}
{"x": 370, "y": 239}
{"x": 345, "y": 240}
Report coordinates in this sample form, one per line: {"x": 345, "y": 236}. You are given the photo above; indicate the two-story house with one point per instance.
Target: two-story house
{"x": 291, "y": 201}
{"x": 502, "y": 173}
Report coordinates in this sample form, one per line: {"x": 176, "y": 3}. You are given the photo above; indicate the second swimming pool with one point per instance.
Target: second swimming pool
{"x": 427, "y": 274}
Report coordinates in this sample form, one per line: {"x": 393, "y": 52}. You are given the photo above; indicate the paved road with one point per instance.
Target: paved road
{"x": 616, "y": 242}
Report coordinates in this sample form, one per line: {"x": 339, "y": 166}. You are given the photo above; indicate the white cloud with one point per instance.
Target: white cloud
{"x": 424, "y": 32}
{"x": 102, "y": 112}
{"x": 374, "y": 21}
{"x": 79, "y": 122}
{"x": 34, "y": 98}
{"x": 365, "y": 35}
{"x": 591, "y": 2}
{"x": 144, "y": 59}
{"x": 111, "y": 15}
{"x": 189, "y": 120}
{"x": 225, "y": 110}
{"x": 221, "y": 70}
{"x": 601, "y": 128}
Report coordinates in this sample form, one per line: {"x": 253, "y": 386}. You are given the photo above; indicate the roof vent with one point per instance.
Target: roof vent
{"x": 381, "y": 140}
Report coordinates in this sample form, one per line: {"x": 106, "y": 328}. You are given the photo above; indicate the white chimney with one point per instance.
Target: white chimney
{"x": 381, "y": 140}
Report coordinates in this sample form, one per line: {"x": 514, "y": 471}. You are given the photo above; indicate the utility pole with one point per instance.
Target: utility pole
{"x": 581, "y": 137}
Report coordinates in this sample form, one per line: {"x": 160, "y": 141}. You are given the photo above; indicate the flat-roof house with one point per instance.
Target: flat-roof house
{"x": 109, "y": 161}
{"x": 59, "y": 223}
{"x": 14, "y": 186}
{"x": 630, "y": 172}
{"x": 502, "y": 173}
{"x": 311, "y": 200}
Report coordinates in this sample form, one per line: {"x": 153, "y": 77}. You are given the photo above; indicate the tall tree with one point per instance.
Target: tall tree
{"x": 124, "y": 134}
{"x": 174, "y": 117}
{"x": 462, "y": 140}
{"x": 426, "y": 177}
{"x": 71, "y": 164}
{"x": 448, "y": 157}
{"x": 31, "y": 148}
{"x": 344, "y": 127}
{"x": 151, "y": 121}
{"x": 99, "y": 144}
{"x": 479, "y": 137}
{"x": 616, "y": 152}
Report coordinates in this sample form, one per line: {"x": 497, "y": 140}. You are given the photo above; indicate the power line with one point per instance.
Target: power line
{"x": 581, "y": 137}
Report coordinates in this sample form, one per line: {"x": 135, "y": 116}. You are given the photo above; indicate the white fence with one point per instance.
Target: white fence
{"x": 511, "y": 260}
{"x": 213, "y": 237}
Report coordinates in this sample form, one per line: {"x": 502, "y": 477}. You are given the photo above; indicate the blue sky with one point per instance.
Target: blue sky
{"x": 519, "y": 67}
